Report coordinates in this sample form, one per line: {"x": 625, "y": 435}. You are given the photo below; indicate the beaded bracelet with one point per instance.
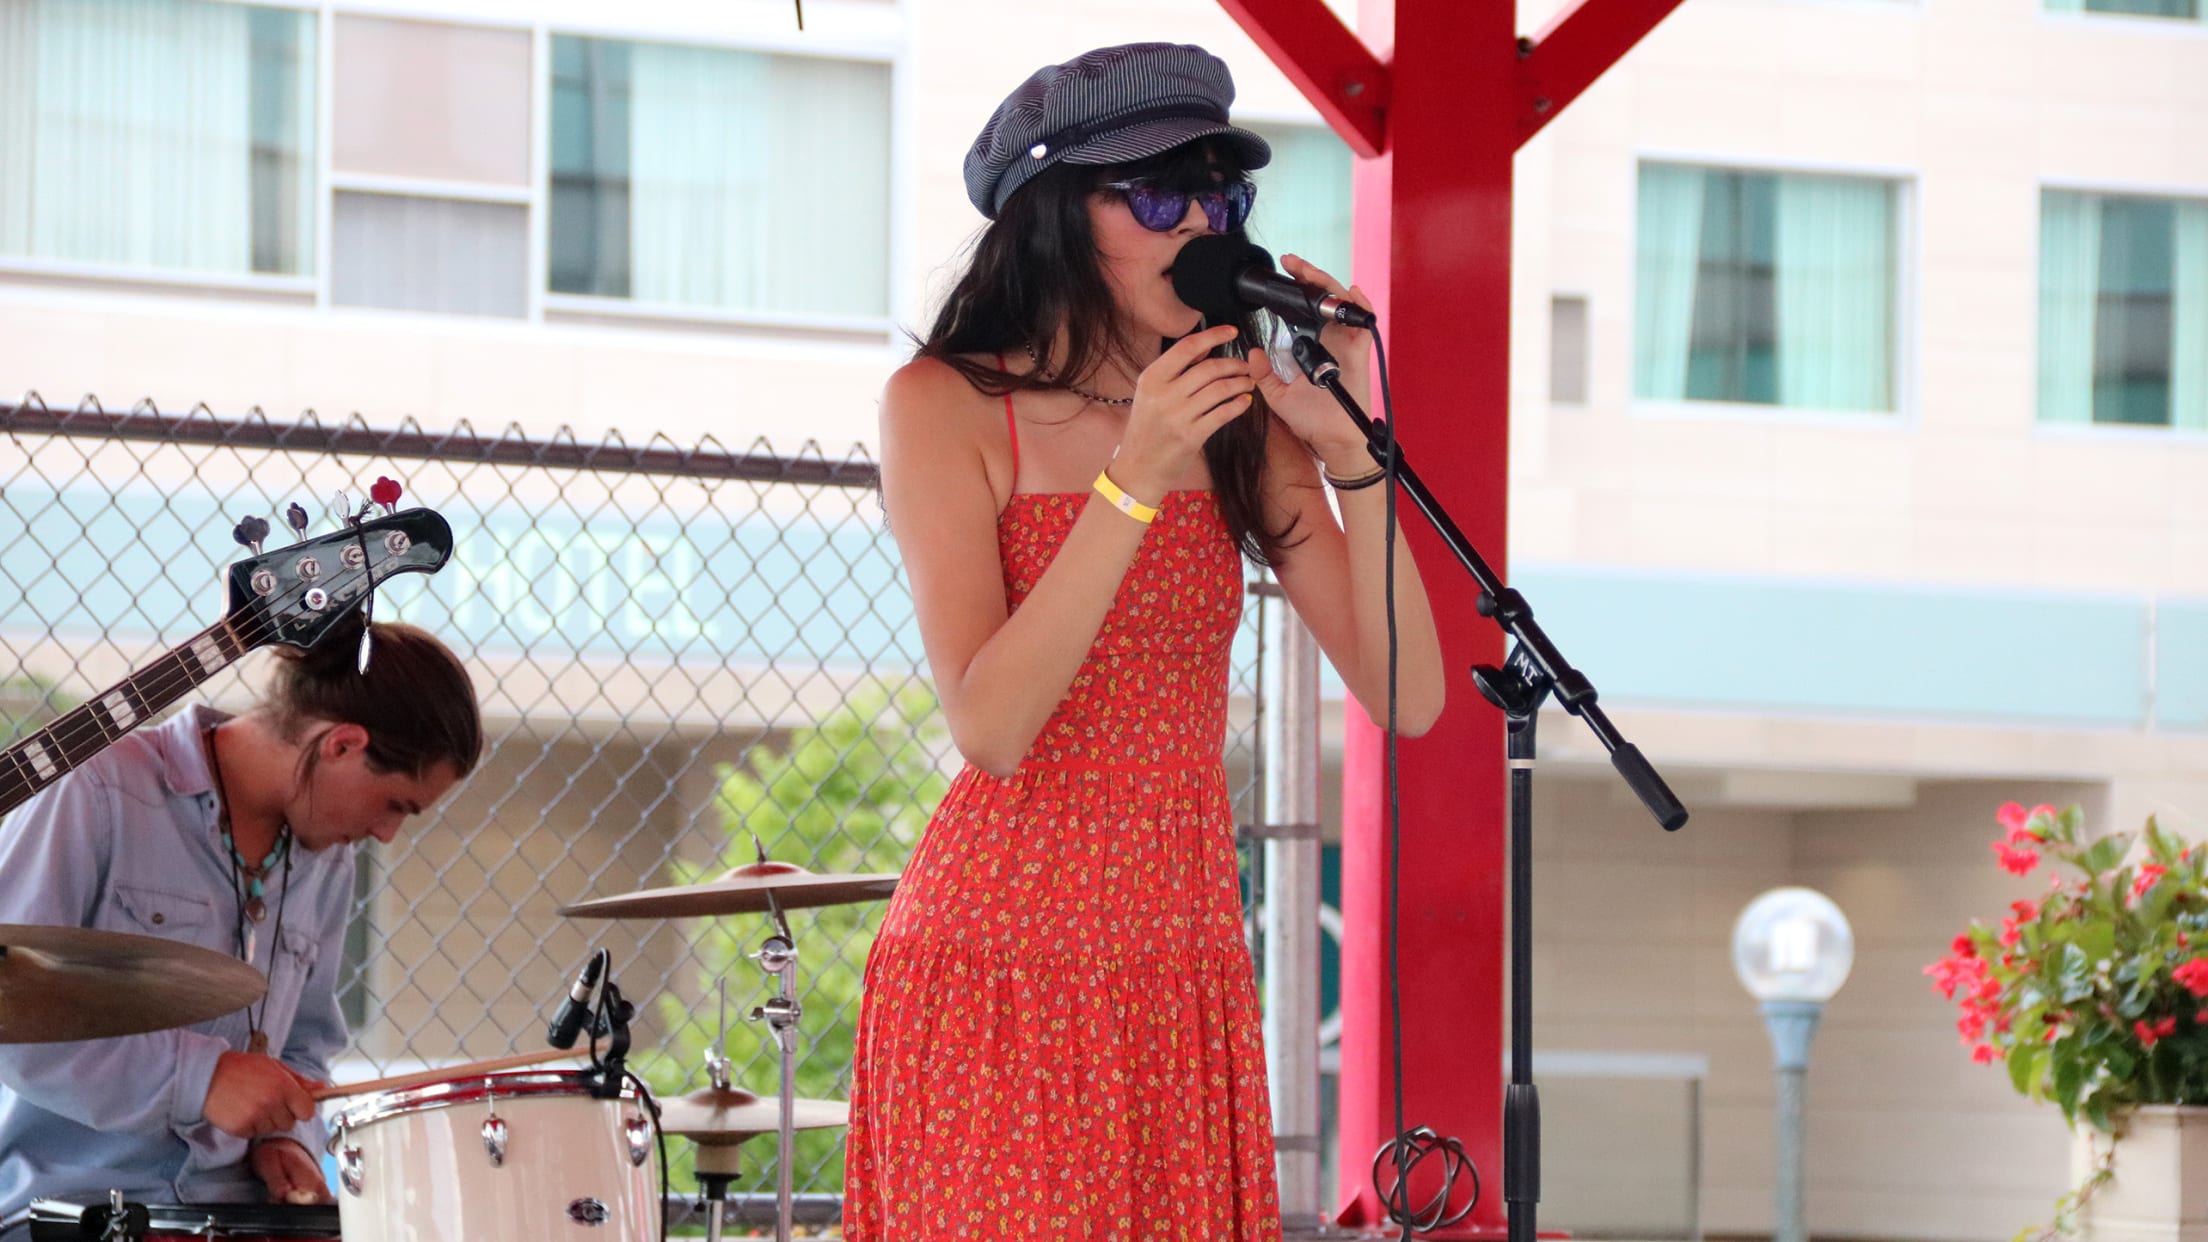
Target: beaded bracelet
{"x": 1122, "y": 501}
{"x": 1351, "y": 485}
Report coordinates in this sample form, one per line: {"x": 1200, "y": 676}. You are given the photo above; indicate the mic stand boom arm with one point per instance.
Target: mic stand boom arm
{"x": 1534, "y": 670}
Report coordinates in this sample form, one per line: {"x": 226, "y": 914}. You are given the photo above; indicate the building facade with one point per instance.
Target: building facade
{"x": 1859, "y": 437}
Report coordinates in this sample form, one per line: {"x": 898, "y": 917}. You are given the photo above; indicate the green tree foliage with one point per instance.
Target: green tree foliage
{"x": 27, "y": 703}
{"x": 849, "y": 793}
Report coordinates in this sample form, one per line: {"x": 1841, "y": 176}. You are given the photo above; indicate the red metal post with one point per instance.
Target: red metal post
{"x": 1432, "y": 247}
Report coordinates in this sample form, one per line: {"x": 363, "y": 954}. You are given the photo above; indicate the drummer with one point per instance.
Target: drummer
{"x": 236, "y": 834}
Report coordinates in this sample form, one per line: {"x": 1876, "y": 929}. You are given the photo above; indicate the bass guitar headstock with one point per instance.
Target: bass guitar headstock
{"x": 296, "y": 595}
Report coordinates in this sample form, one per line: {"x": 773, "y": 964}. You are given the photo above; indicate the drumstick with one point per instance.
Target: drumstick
{"x": 424, "y": 1077}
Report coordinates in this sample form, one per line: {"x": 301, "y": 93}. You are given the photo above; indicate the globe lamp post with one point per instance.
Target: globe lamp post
{"x": 1792, "y": 949}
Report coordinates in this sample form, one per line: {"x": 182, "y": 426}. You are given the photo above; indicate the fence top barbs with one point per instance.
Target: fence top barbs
{"x": 463, "y": 444}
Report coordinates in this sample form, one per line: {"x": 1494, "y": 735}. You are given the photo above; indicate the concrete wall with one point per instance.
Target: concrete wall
{"x": 1906, "y": 1138}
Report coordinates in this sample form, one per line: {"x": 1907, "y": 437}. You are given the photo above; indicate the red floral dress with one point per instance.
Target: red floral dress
{"x": 1059, "y": 1038}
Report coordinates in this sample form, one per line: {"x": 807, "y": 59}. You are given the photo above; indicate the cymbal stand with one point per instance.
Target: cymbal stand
{"x": 715, "y": 1164}
{"x": 777, "y": 956}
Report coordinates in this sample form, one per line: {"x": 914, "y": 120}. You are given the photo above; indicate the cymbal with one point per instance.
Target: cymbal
{"x": 732, "y": 1114}
{"x": 741, "y": 891}
{"x": 65, "y": 983}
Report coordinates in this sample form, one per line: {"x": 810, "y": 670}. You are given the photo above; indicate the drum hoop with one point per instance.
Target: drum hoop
{"x": 468, "y": 1089}
{"x": 211, "y": 1220}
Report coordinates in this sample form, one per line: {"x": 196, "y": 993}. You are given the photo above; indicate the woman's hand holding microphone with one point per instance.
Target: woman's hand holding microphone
{"x": 1180, "y": 400}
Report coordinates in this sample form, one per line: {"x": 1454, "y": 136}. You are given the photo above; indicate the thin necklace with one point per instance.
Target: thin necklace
{"x": 1083, "y": 393}
{"x": 246, "y": 889}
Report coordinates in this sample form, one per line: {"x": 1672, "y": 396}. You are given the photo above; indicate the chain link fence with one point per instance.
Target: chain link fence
{"x": 677, "y": 648}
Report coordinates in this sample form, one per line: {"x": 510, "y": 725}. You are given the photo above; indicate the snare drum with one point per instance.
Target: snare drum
{"x": 60, "y": 1220}
{"x": 516, "y": 1154}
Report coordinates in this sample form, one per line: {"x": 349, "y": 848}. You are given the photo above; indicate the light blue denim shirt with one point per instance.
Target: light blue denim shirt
{"x": 130, "y": 843}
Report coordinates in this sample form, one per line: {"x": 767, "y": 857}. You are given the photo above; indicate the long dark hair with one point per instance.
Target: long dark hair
{"x": 416, "y": 700}
{"x": 1034, "y": 270}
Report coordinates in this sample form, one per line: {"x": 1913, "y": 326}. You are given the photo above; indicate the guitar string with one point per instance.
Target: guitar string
{"x": 248, "y": 640}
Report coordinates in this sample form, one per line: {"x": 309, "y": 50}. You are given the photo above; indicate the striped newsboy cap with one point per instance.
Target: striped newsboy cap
{"x": 1110, "y": 106}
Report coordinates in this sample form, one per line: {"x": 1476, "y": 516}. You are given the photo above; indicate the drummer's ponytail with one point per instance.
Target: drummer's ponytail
{"x": 416, "y": 700}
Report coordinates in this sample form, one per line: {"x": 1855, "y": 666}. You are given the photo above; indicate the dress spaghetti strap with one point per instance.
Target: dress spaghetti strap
{"x": 1011, "y": 425}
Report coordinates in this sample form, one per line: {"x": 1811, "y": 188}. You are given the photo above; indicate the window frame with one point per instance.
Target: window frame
{"x": 1907, "y": 181}
{"x": 2128, "y": 433}
{"x": 846, "y": 30}
{"x": 309, "y": 289}
{"x": 552, "y": 307}
{"x": 2137, "y": 23}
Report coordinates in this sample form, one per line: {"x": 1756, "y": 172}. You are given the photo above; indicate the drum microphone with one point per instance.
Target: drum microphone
{"x": 1218, "y": 271}
{"x": 574, "y": 1012}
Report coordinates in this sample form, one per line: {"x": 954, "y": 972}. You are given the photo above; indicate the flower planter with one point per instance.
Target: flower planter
{"x": 2160, "y": 1189}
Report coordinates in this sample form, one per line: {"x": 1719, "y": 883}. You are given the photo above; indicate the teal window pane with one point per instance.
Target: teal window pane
{"x": 2123, "y": 310}
{"x": 2146, "y": 8}
{"x": 1765, "y": 289}
{"x": 1303, "y": 197}
{"x": 1733, "y": 352}
{"x": 589, "y": 230}
{"x": 697, "y": 177}
{"x": 2133, "y": 313}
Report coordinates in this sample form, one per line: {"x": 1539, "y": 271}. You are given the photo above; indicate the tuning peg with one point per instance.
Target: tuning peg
{"x": 386, "y": 492}
{"x": 250, "y": 532}
{"x": 295, "y": 516}
{"x": 341, "y": 508}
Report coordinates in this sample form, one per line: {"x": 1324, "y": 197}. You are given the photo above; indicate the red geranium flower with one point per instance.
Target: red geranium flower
{"x": 2016, "y": 861}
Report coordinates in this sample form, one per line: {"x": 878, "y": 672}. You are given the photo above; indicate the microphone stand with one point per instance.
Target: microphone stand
{"x": 1534, "y": 670}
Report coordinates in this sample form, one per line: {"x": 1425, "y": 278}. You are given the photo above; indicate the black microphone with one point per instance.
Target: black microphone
{"x": 1217, "y": 270}
{"x": 574, "y": 1012}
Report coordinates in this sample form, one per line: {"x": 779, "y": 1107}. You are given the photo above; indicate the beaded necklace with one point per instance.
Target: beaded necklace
{"x": 1078, "y": 392}
{"x": 248, "y": 890}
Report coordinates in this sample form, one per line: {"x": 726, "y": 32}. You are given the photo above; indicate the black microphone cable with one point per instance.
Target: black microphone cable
{"x": 1409, "y": 1148}
{"x": 609, "y": 1021}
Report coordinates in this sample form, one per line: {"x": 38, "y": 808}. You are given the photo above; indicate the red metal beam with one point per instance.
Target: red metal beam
{"x": 1438, "y": 129}
{"x": 1337, "y": 73}
{"x": 1576, "y": 47}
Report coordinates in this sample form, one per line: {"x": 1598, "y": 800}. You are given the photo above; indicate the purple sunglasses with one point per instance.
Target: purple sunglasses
{"x": 1161, "y": 210}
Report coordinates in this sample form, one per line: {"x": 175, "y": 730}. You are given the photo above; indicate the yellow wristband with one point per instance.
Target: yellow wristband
{"x": 1122, "y": 501}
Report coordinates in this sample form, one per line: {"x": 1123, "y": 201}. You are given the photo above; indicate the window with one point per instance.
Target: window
{"x": 2123, "y": 310}
{"x": 402, "y": 252}
{"x": 1303, "y": 196}
{"x": 2134, "y": 8}
{"x": 1765, "y": 289}
{"x": 168, "y": 134}
{"x": 429, "y": 160}
{"x": 1568, "y": 350}
{"x": 717, "y": 179}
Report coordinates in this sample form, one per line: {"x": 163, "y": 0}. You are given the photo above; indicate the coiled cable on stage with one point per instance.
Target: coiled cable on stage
{"x": 1421, "y": 1145}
